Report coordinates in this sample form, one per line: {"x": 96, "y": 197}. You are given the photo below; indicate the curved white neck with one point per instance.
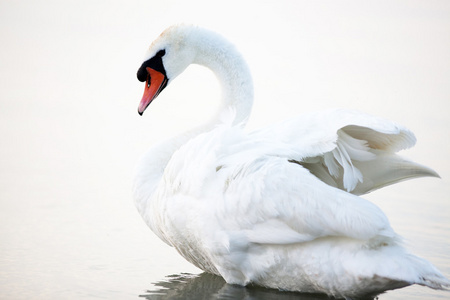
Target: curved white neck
{"x": 231, "y": 70}
{"x": 217, "y": 54}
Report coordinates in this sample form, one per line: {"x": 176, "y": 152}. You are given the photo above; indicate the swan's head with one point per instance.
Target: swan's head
{"x": 168, "y": 56}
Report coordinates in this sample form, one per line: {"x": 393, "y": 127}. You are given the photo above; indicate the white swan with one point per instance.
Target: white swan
{"x": 275, "y": 207}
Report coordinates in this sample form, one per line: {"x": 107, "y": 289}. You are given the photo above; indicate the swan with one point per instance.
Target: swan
{"x": 277, "y": 207}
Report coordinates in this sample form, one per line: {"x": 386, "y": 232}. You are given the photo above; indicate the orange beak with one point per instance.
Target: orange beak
{"x": 156, "y": 82}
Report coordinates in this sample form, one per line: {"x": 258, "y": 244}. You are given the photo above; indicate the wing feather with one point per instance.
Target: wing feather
{"x": 347, "y": 149}
{"x": 273, "y": 201}
{"x": 289, "y": 183}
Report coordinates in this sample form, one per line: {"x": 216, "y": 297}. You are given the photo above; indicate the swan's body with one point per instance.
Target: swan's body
{"x": 275, "y": 207}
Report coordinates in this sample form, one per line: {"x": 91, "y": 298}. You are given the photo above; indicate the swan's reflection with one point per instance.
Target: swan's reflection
{"x": 207, "y": 286}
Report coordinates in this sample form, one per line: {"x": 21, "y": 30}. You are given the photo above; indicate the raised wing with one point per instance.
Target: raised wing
{"x": 349, "y": 150}
{"x": 264, "y": 186}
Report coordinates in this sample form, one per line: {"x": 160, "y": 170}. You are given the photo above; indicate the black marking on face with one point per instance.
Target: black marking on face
{"x": 155, "y": 63}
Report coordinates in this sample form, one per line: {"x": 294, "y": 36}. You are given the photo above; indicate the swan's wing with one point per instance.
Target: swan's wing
{"x": 273, "y": 201}
{"x": 256, "y": 196}
{"x": 349, "y": 150}
{"x": 269, "y": 180}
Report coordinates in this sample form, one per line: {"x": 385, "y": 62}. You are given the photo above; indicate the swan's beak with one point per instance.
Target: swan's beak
{"x": 156, "y": 82}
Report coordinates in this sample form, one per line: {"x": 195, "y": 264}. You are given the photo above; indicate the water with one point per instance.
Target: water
{"x": 70, "y": 133}
{"x": 207, "y": 286}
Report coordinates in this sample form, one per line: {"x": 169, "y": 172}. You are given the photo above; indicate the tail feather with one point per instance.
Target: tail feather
{"x": 420, "y": 271}
{"x": 432, "y": 277}
{"x": 391, "y": 267}
{"x": 436, "y": 282}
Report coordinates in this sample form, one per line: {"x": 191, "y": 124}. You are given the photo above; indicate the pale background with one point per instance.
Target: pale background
{"x": 71, "y": 136}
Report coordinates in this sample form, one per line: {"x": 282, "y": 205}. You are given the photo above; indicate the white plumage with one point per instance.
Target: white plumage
{"x": 275, "y": 207}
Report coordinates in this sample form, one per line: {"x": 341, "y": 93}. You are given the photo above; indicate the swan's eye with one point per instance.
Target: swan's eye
{"x": 148, "y": 80}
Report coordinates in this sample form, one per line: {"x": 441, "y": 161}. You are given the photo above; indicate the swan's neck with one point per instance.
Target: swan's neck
{"x": 221, "y": 57}
{"x": 231, "y": 70}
